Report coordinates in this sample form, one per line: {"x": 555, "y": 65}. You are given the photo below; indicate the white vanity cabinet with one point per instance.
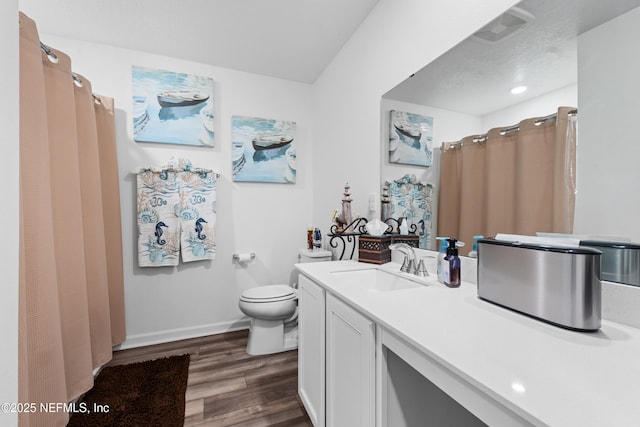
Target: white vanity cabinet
{"x": 336, "y": 359}
{"x": 311, "y": 349}
{"x": 350, "y": 364}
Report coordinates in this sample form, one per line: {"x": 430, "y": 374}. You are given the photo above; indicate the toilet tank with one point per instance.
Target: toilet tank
{"x": 317, "y": 255}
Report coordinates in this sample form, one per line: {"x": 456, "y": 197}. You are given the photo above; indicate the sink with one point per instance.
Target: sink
{"x": 377, "y": 280}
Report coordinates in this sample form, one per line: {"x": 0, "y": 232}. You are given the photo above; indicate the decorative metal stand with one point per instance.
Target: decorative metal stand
{"x": 342, "y": 240}
{"x": 394, "y": 228}
{"x": 337, "y": 238}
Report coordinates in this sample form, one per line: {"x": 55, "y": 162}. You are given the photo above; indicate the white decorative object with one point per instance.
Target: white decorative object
{"x": 404, "y": 227}
{"x": 376, "y": 227}
{"x": 347, "y": 217}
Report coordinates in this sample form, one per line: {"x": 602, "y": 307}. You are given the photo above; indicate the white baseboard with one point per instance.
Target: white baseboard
{"x": 160, "y": 337}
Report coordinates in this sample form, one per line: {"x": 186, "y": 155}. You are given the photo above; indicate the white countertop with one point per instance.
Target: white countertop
{"x": 548, "y": 374}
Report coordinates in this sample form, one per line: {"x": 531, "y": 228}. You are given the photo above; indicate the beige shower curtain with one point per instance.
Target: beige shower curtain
{"x": 521, "y": 181}
{"x": 71, "y": 282}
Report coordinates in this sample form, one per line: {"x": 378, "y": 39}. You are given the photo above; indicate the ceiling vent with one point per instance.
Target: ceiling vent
{"x": 506, "y": 25}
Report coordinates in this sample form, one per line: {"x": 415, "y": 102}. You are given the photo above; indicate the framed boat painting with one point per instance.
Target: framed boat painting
{"x": 263, "y": 150}
{"x": 172, "y": 108}
{"x": 410, "y": 139}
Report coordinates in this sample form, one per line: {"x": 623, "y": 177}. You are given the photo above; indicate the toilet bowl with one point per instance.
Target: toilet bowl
{"x": 273, "y": 310}
{"x": 270, "y": 309}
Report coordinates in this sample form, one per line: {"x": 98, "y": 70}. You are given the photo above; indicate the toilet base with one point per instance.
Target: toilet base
{"x": 268, "y": 337}
{"x": 291, "y": 335}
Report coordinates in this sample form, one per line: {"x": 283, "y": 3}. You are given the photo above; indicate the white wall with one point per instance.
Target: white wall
{"x": 397, "y": 39}
{"x": 9, "y": 175}
{"x": 200, "y": 298}
{"x": 539, "y": 106}
{"x": 607, "y": 201}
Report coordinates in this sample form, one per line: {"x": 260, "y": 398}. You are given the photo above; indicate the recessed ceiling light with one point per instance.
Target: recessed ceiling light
{"x": 518, "y": 89}
{"x": 518, "y": 387}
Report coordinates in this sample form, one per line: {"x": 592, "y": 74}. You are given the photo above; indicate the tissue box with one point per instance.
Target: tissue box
{"x": 374, "y": 249}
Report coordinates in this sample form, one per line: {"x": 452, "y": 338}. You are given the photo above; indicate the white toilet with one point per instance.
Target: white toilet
{"x": 273, "y": 312}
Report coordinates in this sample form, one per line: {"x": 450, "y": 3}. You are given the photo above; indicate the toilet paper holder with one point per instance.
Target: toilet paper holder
{"x": 244, "y": 257}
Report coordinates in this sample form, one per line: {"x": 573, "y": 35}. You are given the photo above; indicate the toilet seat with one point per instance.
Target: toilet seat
{"x": 270, "y": 293}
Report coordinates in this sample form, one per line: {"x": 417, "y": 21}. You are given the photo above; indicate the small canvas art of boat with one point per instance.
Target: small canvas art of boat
{"x": 266, "y": 142}
{"x": 263, "y": 150}
{"x": 410, "y": 138}
{"x": 181, "y": 98}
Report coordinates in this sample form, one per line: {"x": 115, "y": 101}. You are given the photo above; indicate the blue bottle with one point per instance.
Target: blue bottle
{"x": 453, "y": 279}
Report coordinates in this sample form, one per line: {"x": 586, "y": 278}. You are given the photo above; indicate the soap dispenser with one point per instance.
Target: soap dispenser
{"x": 452, "y": 275}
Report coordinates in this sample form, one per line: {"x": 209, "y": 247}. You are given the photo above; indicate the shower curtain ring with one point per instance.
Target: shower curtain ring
{"x": 52, "y": 56}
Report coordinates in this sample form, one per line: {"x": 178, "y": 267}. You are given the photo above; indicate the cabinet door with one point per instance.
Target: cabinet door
{"x": 311, "y": 348}
{"x": 350, "y": 366}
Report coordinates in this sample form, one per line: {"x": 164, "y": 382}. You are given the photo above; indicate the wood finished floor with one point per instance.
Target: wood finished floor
{"x": 228, "y": 387}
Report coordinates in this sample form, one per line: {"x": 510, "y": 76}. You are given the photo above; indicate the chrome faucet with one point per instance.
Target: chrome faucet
{"x": 410, "y": 260}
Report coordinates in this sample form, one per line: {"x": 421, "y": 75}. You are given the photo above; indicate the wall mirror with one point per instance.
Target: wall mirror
{"x": 466, "y": 91}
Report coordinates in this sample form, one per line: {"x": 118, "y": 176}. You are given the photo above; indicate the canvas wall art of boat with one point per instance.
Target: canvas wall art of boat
{"x": 181, "y": 98}
{"x": 410, "y": 138}
{"x": 172, "y": 108}
{"x": 265, "y": 142}
{"x": 263, "y": 150}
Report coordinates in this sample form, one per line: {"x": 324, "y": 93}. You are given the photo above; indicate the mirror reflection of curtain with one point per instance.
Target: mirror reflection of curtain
{"x": 520, "y": 182}
{"x": 70, "y": 281}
